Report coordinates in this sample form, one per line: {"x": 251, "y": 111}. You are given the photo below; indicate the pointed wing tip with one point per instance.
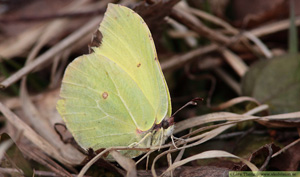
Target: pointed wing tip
{"x": 114, "y": 6}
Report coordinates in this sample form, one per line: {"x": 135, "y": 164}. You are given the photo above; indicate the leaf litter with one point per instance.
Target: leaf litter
{"x": 33, "y": 114}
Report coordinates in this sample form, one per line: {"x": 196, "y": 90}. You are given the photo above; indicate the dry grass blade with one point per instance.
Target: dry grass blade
{"x": 292, "y": 115}
{"x": 145, "y": 156}
{"x": 213, "y": 19}
{"x": 235, "y": 101}
{"x": 259, "y": 43}
{"x": 222, "y": 116}
{"x": 91, "y": 162}
{"x": 181, "y": 152}
{"x": 182, "y": 31}
{"x": 235, "y": 62}
{"x": 77, "y": 35}
{"x": 32, "y": 135}
{"x": 274, "y": 27}
{"x": 39, "y": 156}
{"x": 11, "y": 171}
{"x": 257, "y": 109}
{"x": 206, "y": 136}
{"x": 125, "y": 162}
{"x": 200, "y": 120}
{"x": 11, "y": 48}
{"x": 4, "y": 146}
{"x": 193, "y": 23}
{"x": 169, "y": 159}
{"x": 179, "y": 60}
{"x": 206, "y": 155}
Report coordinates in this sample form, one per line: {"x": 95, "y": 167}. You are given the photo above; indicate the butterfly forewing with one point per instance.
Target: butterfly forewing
{"x": 112, "y": 94}
{"x": 128, "y": 42}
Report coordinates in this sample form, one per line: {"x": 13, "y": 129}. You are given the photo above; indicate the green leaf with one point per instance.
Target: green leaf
{"x": 275, "y": 82}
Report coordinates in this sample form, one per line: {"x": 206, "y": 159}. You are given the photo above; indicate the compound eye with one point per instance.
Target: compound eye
{"x": 165, "y": 124}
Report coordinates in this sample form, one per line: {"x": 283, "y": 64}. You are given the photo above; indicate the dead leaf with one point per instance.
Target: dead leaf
{"x": 254, "y": 13}
{"x": 127, "y": 163}
{"x": 288, "y": 160}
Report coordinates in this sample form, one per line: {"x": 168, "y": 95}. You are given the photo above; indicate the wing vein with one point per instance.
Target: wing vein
{"x": 117, "y": 134}
{"x": 124, "y": 103}
{"x": 130, "y": 75}
{"x": 86, "y": 74}
{"x": 118, "y": 94}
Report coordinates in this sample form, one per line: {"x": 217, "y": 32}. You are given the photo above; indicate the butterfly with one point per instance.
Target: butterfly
{"x": 117, "y": 95}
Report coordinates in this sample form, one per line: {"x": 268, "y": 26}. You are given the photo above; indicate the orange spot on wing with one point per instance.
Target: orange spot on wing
{"x": 104, "y": 95}
{"x": 139, "y": 131}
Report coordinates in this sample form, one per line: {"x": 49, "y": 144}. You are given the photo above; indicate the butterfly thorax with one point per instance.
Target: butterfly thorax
{"x": 158, "y": 134}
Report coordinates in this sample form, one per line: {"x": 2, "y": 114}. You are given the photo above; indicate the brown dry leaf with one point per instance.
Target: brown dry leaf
{"x": 41, "y": 124}
{"x": 12, "y": 24}
{"x": 182, "y": 171}
{"x": 127, "y": 163}
{"x": 39, "y": 156}
{"x": 154, "y": 14}
{"x": 254, "y": 13}
{"x": 203, "y": 171}
{"x": 20, "y": 36}
{"x": 36, "y": 139}
{"x": 45, "y": 103}
{"x": 262, "y": 156}
{"x": 235, "y": 61}
{"x": 219, "y": 7}
{"x": 55, "y": 29}
{"x": 10, "y": 48}
{"x": 288, "y": 160}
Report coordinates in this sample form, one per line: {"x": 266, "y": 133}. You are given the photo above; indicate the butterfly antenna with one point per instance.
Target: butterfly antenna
{"x": 192, "y": 102}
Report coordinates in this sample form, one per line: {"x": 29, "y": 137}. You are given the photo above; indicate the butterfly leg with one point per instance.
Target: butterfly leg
{"x": 161, "y": 137}
{"x": 178, "y": 139}
{"x": 173, "y": 142}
